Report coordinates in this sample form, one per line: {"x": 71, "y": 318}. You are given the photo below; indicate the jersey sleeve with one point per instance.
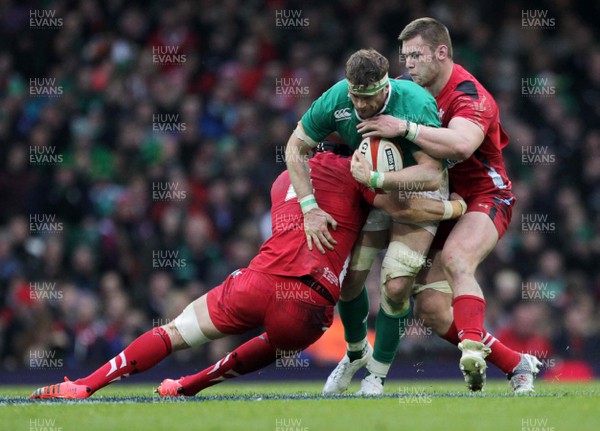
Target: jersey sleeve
{"x": 319, "y": 122}
{"x": 473, "y": 106}
{"x": 367, "y": 194}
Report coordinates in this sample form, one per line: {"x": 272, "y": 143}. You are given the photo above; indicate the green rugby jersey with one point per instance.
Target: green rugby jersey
{"x": 334, "y": 112}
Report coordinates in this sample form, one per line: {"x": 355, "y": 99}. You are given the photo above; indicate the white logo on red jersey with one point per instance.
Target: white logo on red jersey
{"x": 441, "y": 113}
{"x": 330, "y": 276}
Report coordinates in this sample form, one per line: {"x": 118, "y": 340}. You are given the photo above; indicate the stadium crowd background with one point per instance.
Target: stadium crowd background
{"x": 165, "y": 123}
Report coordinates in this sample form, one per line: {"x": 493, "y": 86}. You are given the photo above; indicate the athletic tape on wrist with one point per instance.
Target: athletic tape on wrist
{"x": 308, "y": 203}
{"x": 376, "y": 179}
{"x": 412, "y": 131}
{"x": 448, "y": 210}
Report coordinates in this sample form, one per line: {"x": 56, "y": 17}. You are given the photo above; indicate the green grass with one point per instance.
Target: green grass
{"x": 297, "y": 406}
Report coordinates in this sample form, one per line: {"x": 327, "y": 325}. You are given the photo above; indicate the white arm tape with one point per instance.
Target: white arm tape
{"x": 299, "y": 132}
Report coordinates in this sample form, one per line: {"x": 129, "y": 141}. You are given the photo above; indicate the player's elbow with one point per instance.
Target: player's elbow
{"x": 463, "y": 150}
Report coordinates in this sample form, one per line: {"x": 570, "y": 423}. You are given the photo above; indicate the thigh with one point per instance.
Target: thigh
{"x": 240, "y": 302}
{"x": 471, "y": 240}
{"x": 295, "y": 325}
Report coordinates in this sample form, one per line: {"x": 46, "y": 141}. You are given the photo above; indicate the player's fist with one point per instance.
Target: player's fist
{"x": 360, "y": 168}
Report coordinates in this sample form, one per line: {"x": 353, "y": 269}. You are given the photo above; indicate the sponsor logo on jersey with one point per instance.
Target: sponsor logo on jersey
{"x": 342, "y": 114}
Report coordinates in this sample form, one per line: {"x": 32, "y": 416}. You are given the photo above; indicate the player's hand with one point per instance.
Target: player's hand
{"x": 360, "y": 168}
{"x": 384, "y": 126}
{"x": 316, "y": 223}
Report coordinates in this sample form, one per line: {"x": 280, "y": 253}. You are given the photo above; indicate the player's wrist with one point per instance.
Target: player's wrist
{"x": 376, "y": 179}
{"x": 454, "y": 208}
{"x": 412, "y": 131}
{"x": 308, "y": 203}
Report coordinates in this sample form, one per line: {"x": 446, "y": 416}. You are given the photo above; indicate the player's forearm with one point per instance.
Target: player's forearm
{"x": 438, "y": 142}
{"x": 420, "y": 210}
{"x": 424, "y": 177}
{"x": 297, "y": 165}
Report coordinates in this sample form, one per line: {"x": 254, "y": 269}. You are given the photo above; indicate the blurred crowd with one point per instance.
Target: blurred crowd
{"x": 139, "y": 140}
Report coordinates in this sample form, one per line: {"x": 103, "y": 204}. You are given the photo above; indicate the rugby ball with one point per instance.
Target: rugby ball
{"x": 383, "y": 154}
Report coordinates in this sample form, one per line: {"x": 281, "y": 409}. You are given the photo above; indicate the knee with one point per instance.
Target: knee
{"x": 177, "y": 341}
{"x": 397, "y": 291}
{"x": 352, "y": 286}
{"x": 456, "y": 264}
{"x": 427, "y": 311}
{"x": 434, "y": 310}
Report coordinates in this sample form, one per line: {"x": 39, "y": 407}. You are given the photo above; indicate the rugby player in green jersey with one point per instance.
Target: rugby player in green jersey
{"x": 367, "y": 92}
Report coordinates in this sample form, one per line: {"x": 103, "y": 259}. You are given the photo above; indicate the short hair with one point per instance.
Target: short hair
{"x": 366, "y": 66}
{"x": 432, "y": 32}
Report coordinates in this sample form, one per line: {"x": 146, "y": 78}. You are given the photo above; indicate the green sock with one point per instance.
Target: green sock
{"x": 354, "y": 315}
{"x": 387, "y": 335}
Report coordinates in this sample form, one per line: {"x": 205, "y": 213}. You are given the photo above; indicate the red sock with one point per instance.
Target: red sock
{"x": 469, "y": 312}
{"x": 250, "y": 356}
{"x": 143, "y": 353}
{"x": 503, "y": 357}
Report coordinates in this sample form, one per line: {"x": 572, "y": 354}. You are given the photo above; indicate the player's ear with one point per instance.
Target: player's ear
{"x": 441, "y": 53}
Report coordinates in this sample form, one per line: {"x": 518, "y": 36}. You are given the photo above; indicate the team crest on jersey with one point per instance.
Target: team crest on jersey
{"x": 441, "y": 113}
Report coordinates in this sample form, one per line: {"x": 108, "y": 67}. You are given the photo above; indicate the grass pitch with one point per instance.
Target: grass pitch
{"x": 298, "y": 406}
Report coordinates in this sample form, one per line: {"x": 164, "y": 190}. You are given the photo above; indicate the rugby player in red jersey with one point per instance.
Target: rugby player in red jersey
{"x": 471, "y": 139}
{"x": 287, "y": 288}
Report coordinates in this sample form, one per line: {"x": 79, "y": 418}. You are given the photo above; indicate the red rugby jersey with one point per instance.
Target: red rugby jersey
{"x": 286, "y": 251}
{"x": 483, "y": 172}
